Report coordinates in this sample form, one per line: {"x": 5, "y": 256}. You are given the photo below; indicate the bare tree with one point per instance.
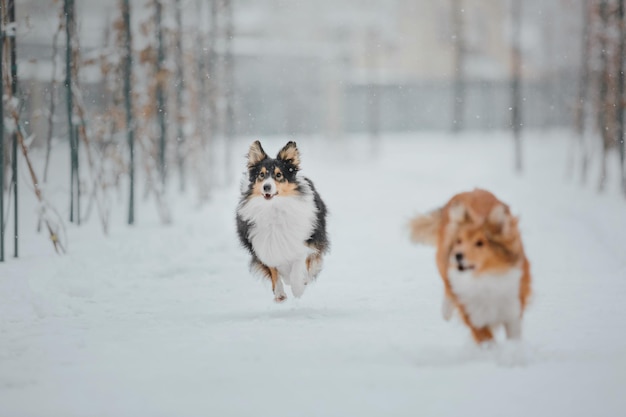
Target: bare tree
{"x": 11, "y": 120}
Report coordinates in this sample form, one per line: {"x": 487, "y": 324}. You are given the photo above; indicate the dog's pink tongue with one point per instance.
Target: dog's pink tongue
{"x": 268, "y": 196}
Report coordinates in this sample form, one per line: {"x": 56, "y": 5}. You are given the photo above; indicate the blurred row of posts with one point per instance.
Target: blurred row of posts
{"x": 218, "y": 19}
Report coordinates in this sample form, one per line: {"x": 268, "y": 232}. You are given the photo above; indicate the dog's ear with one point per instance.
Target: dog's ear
{"x": 256, "y": 154}
{"x": 500, "y": 219}
{"x": 289, "y": 153}
{"x": 457, "y": 213}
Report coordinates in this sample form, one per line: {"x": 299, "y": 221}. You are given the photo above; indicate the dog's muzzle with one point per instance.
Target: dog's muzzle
{"x": 269, "y": 189}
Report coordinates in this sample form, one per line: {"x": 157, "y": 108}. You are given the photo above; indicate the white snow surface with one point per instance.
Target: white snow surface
{"x": 167, "y": 320}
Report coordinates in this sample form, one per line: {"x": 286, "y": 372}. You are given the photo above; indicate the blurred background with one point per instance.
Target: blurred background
{"x": 335, "y": 67}
{"x": 160, "y": 91}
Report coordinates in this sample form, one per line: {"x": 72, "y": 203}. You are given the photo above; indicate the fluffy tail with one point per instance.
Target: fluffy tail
{"x": 425, "y": 227}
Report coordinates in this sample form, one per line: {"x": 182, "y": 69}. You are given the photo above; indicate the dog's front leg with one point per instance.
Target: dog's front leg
{"x": 447, "y": 307}
{"x": 513, "y": 329}
{"x": 297, "y": 277}
{"x": 277, "y": 286}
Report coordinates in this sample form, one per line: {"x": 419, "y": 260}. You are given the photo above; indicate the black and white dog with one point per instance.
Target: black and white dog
{"x": 281, "y": 220}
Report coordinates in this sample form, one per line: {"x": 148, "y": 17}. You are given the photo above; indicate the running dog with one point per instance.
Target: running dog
{"x": 281, "y": 220}
{"x": 481, "y": 259}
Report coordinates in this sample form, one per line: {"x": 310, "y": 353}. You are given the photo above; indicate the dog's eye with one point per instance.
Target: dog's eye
{"x": 279, "y": 175}
{"x": 479, "y": 243}
{"x": 261, "y": 175}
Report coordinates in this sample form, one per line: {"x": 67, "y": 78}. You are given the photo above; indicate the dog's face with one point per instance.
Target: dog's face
{"x": 273, "y": 177}
{"x": 484, "y": 245}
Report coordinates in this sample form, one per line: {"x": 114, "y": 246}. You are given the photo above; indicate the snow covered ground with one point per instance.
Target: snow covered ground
{"x": 167, "y": 321}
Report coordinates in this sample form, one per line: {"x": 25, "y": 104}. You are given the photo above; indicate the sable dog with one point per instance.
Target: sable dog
{"x": 281, "y": 220}
{"x": 481, "y": 259}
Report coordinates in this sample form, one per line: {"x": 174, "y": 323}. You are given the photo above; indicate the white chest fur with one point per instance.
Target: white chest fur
{"x": 280, "y": 227}
{"x": 489, "y": 300}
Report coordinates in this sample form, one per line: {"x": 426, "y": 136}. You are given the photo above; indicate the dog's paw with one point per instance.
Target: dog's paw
{"x": 279, "y": 298}
{"x": 297, "y": 288}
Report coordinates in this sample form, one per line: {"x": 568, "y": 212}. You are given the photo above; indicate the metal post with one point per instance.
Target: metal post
{"x": 1, "y": 143}
{"x": 458, "y": 104}
{"x": 11, "y": 12}
{"x": 159, "y": 91}
{"x": 620, "y": 92}
{"x": 516, "y": 103}
{"x": 76, "y": 174}
{"x": 212, "y": 90}
{"x": 229, "y": 85}
{"x": 130, "y": 128}
{"x": 180, "y": 139}
{"x": 68, "y": 9}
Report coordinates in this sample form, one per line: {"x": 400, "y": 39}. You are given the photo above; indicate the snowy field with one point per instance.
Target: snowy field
{"x": 167, "y": 320}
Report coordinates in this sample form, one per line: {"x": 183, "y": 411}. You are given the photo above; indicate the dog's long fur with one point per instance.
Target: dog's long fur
{"x": 281, "y": 220}
{"x": 481, "y": 260}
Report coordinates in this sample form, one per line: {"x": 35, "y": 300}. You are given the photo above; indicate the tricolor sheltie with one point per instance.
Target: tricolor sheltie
{"x": 481, "y": 259}
{"x": 281, "y": 220}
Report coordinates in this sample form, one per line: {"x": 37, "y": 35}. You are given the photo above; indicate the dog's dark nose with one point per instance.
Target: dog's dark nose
{"x": 267, "y": 188}
{"x": 459, "y": 257}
